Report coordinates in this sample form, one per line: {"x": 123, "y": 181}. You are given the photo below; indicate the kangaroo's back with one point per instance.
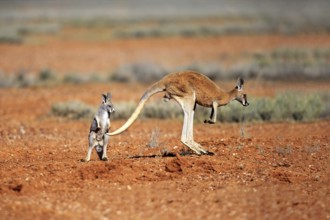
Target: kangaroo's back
{"x": 188, "y": 82}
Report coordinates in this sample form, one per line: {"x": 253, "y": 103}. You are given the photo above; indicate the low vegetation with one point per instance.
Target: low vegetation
{"x": 283, "y": 107}
{"x": 72, "y": 110}
{"x": 259, "y": 22}
{"x": 46, "y": 77}
{"x": 138, "y": 72}
{"x": 279, "y": 64}
{"x": 17, "y": 32}
{"x": 211, "y": 26}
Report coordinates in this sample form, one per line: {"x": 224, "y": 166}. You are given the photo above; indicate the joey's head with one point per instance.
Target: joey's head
{"x": 106, "y": 101}
{"x": 239, "y": 95}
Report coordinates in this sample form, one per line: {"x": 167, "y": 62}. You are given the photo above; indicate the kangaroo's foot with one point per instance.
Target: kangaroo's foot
{"x": 209, "y": 121}
{"x": 105, "y": 158}
{"x": 84, "y": 160}
{"x": 167, "y": 97}
{"x": 203, "y": 152}
{"x": 197, "y": 148}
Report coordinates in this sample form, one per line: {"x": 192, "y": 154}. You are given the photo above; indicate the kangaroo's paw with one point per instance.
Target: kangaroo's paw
{"x": 209, "y": 153}
{"x": 209, "y": 122}
{"x": 197, "y": 148}
{"x": 105, "y": 159}
{"x": 201, "y": 150}
{"x": 192, "y": 147}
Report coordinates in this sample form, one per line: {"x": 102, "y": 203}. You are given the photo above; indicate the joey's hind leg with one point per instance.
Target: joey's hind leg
{"x": 105, "y": 145}
{"x": 92, "y": 144}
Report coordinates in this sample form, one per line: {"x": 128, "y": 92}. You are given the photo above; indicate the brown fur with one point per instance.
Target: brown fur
{"x": 185, "y": 83}
{"x": 189, "y": 88}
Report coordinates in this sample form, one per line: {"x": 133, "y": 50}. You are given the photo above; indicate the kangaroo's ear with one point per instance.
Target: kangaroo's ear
{"x": 109, "y": 96}
{"x": 240, "y": 83}
{"x": 104, "y": 98}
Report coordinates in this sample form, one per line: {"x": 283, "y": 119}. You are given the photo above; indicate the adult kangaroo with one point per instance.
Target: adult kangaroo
{"x": 190, "y": 88}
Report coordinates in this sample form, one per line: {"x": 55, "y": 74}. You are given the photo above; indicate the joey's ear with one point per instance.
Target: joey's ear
{"x": 109, "y": 96}
{"x": 104, "y": 98}
{"x": 240, "y": 83}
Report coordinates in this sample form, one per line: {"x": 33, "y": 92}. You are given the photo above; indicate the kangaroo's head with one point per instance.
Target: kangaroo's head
{"x": 240, "y": 96}
{"x": 106, "y": 100}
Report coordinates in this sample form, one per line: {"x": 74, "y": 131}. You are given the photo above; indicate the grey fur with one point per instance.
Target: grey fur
{"x": 99, "y": 128}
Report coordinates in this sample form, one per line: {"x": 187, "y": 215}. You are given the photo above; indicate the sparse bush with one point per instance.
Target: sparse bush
{"x": 162, "y": 110}
{"x": 20, "y": 79}
{"x": 248, "y": 70}
{"x": 223, "y": 25}
{"x": 283, "y": 151}
{"x": 285, "y": 106}
{"x": 293, "y": 63}
{"x": 73, "y": 79}
{"x": 15, "y": 33}
{"x": 298, "y": 107}
{"x": 6, "y": 80}
{"x": 95, "y": 78}
{"x": 10, "y": 39}
{"x": 325, "y": 97}
{"x": 280, "y": 64}
{"x": 154, "y": 138}
{"x": 264, "y": 108}
{"x": 72, "y": 110}
{"x": 40, "y": 28}
{"x": 143, "y": 72}
{"x": 46, "y": 75}
{"x": 10, "y": 35}
{"x": 124, "y": 110}
{"x": 24, "y": 79}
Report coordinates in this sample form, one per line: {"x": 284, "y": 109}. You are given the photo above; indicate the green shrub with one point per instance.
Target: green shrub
{"x": 46, "y": 75}
{"x": 123, "y": 110}
{"x": 72, "y": 109}
{"x": 293, "y": 106}
{"x": 143, "y": 72}
{"x": 73, "y": 79}
{"x": 293, "y": 63}
{"x": 11, "y": 39}
{"x": 162, "y": 110}
{"x": 9, "y": 35}
{"x": 6, "y": 81}
{"x": 285, "y": 106}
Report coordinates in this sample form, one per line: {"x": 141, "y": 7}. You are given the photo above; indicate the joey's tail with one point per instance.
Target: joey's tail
{"x": 155, "y": 88}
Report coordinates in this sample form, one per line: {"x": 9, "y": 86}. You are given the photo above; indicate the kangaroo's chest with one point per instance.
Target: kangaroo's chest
{"x": 105, "y": 121}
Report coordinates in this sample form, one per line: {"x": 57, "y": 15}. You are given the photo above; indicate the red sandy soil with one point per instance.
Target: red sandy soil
{"x": 71, "y": 56}
{"x": 259, "y": 170}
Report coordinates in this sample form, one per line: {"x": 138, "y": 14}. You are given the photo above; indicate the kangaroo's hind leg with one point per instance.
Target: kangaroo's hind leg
{"x": 105, "y": 145}
{"x": 187, "y": 137}
{"x": 92, "y": 143}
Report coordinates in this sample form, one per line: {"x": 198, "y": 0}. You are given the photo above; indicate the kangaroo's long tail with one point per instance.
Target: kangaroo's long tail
{"x": 155, "y": 88}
